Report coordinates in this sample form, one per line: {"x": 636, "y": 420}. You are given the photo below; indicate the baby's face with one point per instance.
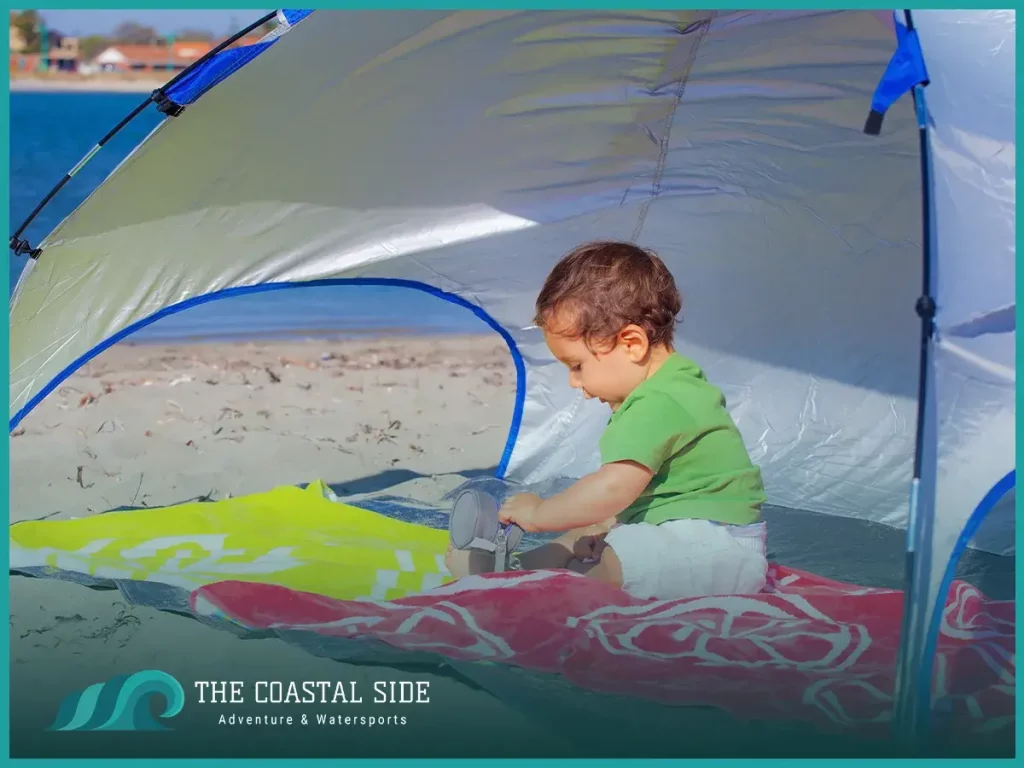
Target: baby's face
{"x": 608, "y": 372}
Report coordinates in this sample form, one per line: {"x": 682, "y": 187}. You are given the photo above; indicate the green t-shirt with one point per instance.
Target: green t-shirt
{"x": 676, "y": 424}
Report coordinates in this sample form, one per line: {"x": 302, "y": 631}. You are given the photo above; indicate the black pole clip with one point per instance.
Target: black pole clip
{"x": 24, "y": 248}
{"x": 165, "y": 105}
{"x": 925, "y": 308}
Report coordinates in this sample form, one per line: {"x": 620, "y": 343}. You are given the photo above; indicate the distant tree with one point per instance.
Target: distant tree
{"x": 194, "y": 35}
{"x": 93, "y": 45}
{"x": 28, "y": 24}
{"x": 131, "y": 32}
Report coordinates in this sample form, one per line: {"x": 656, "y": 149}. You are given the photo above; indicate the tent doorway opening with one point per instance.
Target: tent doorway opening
{"x": 367, "y": 387}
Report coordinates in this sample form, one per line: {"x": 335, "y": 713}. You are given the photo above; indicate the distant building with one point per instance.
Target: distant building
{"x": 150, "y": 58}
{"x": 62, "y": 54}
{"x": 156, "y": 58}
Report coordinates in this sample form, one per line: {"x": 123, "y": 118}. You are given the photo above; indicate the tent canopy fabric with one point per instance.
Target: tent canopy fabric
{"x": 465, "y": 152}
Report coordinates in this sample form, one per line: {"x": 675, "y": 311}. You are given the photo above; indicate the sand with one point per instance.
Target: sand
{"x": 85, "y": 84}
{"x": 151, "y": 425}
{"x": 157, "y": 425}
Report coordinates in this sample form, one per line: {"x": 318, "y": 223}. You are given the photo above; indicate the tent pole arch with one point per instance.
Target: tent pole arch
{"x": 246, "y": 290}
{"x": 912, "y": 693}
{"x": 925, "y": 673}
{"x": 924, "y": 597}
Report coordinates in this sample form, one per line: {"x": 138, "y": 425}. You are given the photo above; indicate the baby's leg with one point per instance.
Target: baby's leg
{"x": 607, "y": 570}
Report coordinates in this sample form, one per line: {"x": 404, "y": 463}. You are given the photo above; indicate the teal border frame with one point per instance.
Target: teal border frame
{"x": 406, "y": 5}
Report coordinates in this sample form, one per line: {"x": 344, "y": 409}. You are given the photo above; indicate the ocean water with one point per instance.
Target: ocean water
{"x": 50, "y": 132}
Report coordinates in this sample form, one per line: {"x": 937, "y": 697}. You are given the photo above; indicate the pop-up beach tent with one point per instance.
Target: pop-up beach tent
{"x": 848, "y": 280}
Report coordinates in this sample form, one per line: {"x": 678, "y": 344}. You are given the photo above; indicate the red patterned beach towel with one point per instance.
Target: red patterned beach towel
{"x": 809, "y": 648}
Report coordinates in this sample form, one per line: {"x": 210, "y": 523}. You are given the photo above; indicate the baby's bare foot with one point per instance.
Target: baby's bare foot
{"x": 468, "y": 562}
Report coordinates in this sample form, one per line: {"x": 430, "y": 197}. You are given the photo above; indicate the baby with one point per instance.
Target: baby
{"x": 675, "y": 509}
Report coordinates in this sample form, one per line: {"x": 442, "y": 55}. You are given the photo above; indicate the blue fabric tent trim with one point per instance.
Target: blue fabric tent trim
{"x": 986, "y": 505}
{"x": 220, "y": 67}
{"x": 294, "y": 16}
{"x": 204, "y": 77}
{"x": 906, "y": 69}
{"x": 244, "y": 290}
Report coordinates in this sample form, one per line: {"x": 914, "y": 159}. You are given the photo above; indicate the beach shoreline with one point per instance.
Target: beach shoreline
{"x": 390, "y": 334}
{"x": 83, "y": 85}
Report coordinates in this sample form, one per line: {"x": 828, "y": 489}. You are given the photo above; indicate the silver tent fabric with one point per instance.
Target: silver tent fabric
{"x": 469, "y": 150}
{"x": 730, "y": 143}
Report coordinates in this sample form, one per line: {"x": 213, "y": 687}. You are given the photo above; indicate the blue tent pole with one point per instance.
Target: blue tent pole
{"x": 913, "y": 691}
{"x": 22, "y": 247}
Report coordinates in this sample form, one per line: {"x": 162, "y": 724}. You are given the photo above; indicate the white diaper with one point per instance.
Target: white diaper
{"x": 690, "y": 558}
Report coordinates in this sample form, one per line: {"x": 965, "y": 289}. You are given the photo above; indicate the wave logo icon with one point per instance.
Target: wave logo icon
{"x": 121, "y": 704}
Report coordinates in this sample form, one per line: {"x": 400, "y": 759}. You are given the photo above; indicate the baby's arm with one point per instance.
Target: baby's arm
{"x": 593, "y": 499}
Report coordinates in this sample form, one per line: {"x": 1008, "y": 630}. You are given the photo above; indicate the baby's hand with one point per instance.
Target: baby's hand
{"x": 588, "y": 547}
{"x": 521, "y": 510}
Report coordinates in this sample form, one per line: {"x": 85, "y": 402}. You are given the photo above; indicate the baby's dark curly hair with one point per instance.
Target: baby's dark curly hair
{"x": 601, "y": 287}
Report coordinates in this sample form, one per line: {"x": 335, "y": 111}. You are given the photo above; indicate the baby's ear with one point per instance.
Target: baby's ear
{"x": 634, "y": 339}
